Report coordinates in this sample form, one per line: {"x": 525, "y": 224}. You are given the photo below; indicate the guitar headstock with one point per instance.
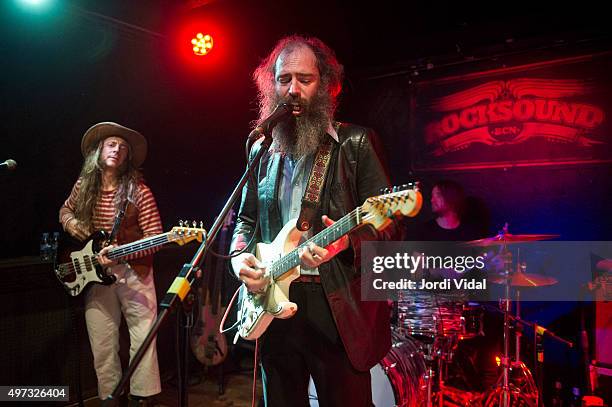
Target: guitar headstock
{"x": 397, "y": 201}
{"x": 184, "y": 234}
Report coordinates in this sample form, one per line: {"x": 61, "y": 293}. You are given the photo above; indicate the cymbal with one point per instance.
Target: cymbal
{"x": 520, "y": 279}
{"x": 508, "y": 238}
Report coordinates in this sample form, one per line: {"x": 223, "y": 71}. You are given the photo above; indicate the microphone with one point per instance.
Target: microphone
{"x": 8, "y": 165}
{"x": 277, "y": 115}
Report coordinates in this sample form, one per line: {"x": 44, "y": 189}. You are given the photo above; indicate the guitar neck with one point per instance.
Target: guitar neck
{"x": 137, "y": 246}
{"x": 322, "y": 239}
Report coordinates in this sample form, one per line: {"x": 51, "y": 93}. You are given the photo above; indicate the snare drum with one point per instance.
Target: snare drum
{"x": 398, "y": 380}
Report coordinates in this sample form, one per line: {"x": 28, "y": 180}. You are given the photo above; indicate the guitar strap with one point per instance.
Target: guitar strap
{"x": 312, "y": 195}
{"x": 117, "y": 222}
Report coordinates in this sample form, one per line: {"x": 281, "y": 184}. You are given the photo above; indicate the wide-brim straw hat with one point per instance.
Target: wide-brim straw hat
{"x": 100, "y": 131}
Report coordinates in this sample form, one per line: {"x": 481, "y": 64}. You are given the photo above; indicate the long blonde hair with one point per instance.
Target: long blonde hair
{"x": 91, "y": 185}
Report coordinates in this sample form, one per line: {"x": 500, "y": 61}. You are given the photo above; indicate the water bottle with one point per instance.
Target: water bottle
{"x": 557, "y": 396}
{"x": 45, "y": 247}
{"x": 575, "y": 400}
{"x": 54, "y": 245}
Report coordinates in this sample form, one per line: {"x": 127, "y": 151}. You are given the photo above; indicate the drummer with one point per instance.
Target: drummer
{"x": 450, "y": 222}
{"x": 473, "y": 368}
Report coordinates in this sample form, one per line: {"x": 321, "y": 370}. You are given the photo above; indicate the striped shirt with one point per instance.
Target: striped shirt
{"x": 104, "y": 212}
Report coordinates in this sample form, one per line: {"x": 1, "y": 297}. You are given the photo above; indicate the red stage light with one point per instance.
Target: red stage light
{"x": 202, "y": 44}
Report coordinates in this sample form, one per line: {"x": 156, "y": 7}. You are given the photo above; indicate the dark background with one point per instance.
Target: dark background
{"x": 81, "y": 62}
{"x": 64, "y": 69}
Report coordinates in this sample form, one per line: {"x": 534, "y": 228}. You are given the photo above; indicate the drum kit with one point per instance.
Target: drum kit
{"x": 429, "y": 328}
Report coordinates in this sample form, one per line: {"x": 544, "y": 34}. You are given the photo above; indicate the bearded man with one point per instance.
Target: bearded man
{"x": 335, "y": 338}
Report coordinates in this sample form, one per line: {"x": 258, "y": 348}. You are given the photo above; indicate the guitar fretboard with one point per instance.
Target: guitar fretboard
{"x": 322, "y": 239}
{"x": 144, "y": 244}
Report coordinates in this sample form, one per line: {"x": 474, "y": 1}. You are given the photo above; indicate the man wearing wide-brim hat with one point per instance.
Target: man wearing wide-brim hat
{"x": 100, "y": 131}
{"x": 109, "y": 182}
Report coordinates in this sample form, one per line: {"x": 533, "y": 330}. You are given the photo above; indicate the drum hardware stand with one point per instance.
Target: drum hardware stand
{"x": 439, "y": 353}
{"x": 430, "y": 358}
{"x": 507, "y": 365}
{"x": 589, "y": 399}
{"x": 433, "y": 358}
{"x": 505, "y": 362}
{"x": 519, "y": 389}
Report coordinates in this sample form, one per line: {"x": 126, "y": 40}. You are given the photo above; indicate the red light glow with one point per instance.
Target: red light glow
{"x": 202, "y": 44}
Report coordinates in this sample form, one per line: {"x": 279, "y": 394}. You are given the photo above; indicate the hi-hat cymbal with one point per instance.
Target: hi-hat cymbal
{"x": 508, "y": 238}
{"x": 521, "y": 279}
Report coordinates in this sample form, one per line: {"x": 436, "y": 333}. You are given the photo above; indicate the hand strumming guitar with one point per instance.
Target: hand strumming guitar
{"x": 76, "y": 229}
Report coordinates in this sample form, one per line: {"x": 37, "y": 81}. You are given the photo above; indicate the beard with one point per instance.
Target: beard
{"x": 302, "y": 135}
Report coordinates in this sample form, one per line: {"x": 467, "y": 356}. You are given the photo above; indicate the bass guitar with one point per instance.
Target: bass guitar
{"x": 208, "y": 344}
{"x": 257, "y": 310}
{"x": 80, "y": 268}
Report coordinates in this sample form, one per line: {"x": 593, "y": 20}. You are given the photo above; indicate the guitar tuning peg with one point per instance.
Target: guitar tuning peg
{"x": 201, "y": 225}
{"x": 180, "y": 223}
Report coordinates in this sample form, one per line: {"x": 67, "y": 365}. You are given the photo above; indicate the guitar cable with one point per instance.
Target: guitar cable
{"x": 254, "y": 390}
{"x": 253, "y": 181}
{"x": 235, "y": 253}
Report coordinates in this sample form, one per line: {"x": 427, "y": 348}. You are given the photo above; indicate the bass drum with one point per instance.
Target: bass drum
{"x": 398, "y": 380}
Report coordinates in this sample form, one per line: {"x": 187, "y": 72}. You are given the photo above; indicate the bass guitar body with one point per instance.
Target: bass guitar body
{"x": 77, "y": 267}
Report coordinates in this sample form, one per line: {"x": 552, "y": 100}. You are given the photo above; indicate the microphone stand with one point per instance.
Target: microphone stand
{"x": 181, "y": 285}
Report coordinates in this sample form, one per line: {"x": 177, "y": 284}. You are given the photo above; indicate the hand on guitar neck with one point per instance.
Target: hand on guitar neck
{"x": 313, "y": 256}
{"x": 103, "y": 260}
{"x": 252, "y": 272}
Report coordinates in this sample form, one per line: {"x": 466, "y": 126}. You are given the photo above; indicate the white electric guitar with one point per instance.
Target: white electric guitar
{"x": 257, "y": 310}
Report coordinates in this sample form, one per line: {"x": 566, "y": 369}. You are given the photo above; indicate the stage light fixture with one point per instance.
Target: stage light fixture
{"x": 34, "y": 4}
{"x": 202, "y": 44}
{"x": 40, "y": 7}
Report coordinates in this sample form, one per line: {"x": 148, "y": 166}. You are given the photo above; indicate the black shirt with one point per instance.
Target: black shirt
{"x": 432, "y": 232}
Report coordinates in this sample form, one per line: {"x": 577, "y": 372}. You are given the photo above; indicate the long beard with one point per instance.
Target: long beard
{"x": 302, "y": 135}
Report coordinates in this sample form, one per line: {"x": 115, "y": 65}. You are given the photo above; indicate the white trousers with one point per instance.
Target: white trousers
{"x": 136, "y": 299}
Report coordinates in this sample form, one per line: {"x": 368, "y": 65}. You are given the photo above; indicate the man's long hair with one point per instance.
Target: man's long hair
{"x": 453, "y": 194}
{"x": 91, "y": 185}
{"x": 330, "y": 70}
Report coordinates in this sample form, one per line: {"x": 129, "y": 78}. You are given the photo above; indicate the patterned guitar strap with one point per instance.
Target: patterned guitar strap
{"x": 117, "y": 223}
{"x": 312, "y": 195}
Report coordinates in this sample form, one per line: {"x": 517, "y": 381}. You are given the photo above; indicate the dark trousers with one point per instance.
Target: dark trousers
{"x": 307, "y": 345}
